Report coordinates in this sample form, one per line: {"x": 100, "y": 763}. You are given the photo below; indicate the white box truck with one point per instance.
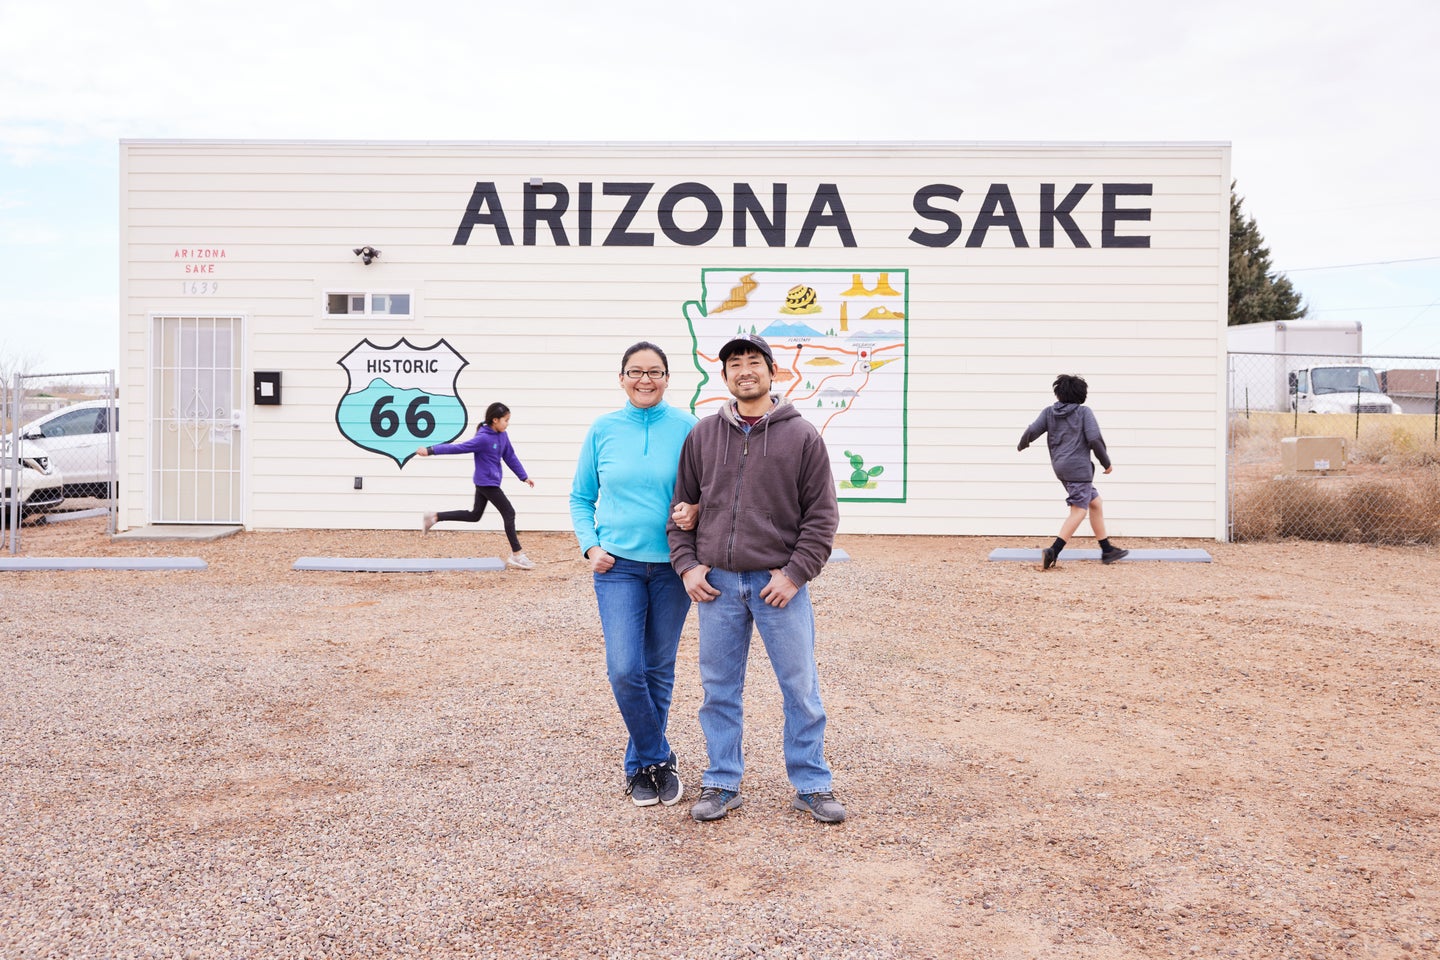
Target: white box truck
{"x": 1309, "y": 366}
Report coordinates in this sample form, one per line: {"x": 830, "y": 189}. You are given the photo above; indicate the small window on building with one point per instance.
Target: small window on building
{"x": 367, "y": 305}
{"x": 391, "y": 304}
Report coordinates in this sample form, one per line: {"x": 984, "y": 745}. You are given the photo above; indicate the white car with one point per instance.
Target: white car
{"x": 79, "y": 440}
{"x": 41, "y": 486}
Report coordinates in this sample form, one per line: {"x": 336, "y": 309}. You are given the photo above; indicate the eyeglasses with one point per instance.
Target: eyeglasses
{"x": 652, "y": 374}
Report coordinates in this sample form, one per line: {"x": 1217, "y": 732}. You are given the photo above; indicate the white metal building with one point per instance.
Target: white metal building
{"x": 297, "y": 317}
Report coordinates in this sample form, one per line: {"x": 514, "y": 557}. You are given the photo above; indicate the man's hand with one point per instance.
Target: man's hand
{"x": 779, "y": 590}
{"x": 696, "y": 586}
{"x": 1109, "y": 468}
{"x": 600, "y": 561}
{"x": 423, "y": 452}
{"x": 686, "y": 515}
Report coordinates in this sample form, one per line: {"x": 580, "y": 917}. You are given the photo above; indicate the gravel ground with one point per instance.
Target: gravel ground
{"x": 1137, "y": 761}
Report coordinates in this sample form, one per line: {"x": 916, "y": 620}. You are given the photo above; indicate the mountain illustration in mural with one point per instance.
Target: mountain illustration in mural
{"x": 777, "y": 330}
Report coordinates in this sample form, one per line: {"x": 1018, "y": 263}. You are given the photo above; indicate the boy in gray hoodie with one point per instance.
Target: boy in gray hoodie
{"x": 1072, "y": 433}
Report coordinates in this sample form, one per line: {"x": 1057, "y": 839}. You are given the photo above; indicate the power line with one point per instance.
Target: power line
{"x": 1393, "y": 306}
{"x": 1409, "y": 323}
{"x": 1341, "y": 266}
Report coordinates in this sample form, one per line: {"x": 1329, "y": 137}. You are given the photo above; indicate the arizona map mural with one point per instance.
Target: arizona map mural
{"x": 839, "y": 339}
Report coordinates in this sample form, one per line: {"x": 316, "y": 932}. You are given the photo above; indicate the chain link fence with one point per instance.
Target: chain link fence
{"x": 57, "y": 452}
{"x": 1333, "y": 448}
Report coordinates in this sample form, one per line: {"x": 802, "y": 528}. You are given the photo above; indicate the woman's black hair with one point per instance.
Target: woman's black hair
{"x": 1070, "y": 388}
{"x": 644, "y": 345}
{"x": 494, "y": 412}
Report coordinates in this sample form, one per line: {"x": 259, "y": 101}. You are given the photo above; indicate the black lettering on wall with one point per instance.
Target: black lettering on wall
{"x": 998, "y": 210}
{"x": 954, "y": 226}
{"x": 772, "y": 227}
{"x": 827, "y": 197}
{"x": 714, "y": 214}
{"x": 1050, "y": 213}
{"x": 483, "y": 197}
{"x": 1110, "y": 214}
{"x": 550, "y": 215}
{"x": 620, "y": 235}
{"x": 586, "y": 213}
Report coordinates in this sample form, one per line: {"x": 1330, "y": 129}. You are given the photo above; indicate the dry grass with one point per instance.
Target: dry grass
{"x": 1405, "y": 440}
{"x": 1389, "y": 493}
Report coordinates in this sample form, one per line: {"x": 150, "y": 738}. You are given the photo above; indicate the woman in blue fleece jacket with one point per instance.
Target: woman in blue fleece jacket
{"x": 490, "y": 445}
{"x": 619, "y": 505}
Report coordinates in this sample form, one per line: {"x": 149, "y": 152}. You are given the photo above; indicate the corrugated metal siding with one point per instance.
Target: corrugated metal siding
{"x": 543, "y": 326}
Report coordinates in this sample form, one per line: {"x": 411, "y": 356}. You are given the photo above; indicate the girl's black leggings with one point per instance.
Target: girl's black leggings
{"x": 484, "y": 495}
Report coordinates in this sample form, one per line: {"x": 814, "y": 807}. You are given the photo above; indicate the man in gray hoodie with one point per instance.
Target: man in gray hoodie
{"x": 1072, "y": 433}
{"x": 761, "y": 476}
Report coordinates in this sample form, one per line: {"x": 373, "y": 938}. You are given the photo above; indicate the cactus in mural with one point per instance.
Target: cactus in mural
{"x": 860, "y": 479}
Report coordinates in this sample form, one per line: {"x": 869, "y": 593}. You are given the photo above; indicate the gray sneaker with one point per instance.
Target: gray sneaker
{"x": 822, "y": 806}
{"x": 667, "y": 783}
{"x": 714, "y": 803}
{"x": 641, "y": 788}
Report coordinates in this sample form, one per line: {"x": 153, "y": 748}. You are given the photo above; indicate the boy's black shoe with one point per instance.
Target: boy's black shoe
{"x": 1110, "y": 556}
{"x": 667, "y": 783}
{"x": 1047, "y": 558}
{"x": 641, "y": 788}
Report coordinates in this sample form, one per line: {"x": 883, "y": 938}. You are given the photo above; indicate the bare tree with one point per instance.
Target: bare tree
{"x": 13, "y": 362}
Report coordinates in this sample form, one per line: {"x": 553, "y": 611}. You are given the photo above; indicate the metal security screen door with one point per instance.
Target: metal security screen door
{"x": 196, "y": 452}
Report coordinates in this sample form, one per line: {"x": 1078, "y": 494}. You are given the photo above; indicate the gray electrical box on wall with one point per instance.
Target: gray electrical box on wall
{"x": 267, "y": 388}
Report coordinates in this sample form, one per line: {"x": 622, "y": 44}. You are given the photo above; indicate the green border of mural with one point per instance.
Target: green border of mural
{"x": 904, "y": 386}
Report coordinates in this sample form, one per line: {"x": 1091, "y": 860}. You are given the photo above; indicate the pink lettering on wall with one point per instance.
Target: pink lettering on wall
{"x": 198, "y": 265}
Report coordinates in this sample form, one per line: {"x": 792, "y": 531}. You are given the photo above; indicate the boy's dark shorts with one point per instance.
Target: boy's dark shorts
{"x": 1079, "y": 493}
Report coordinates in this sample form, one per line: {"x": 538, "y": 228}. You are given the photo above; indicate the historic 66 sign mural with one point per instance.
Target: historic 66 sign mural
{"x": 401, "y": 397}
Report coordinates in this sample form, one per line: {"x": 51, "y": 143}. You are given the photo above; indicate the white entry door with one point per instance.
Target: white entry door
{"x": 196, "y": 451}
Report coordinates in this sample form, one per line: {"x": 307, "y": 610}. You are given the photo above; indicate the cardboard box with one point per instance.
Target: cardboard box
{"x": 1313, "y": 456}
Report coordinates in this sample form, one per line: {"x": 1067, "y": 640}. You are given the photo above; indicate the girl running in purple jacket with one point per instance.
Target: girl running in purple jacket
{"x": 490, "y": 446}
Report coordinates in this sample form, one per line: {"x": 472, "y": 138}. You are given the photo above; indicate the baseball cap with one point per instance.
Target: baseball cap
{"x": 744, "y": 342}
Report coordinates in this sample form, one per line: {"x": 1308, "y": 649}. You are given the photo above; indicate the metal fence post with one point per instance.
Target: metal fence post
{"x": 12, "y": 488}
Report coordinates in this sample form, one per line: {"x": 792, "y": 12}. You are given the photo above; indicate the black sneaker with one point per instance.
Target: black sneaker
{"x": 1047, "y": 558}
{"x": 714, "y": 803}
{"x": 822, "y": 806}
{"x": 641, "y": 789}
{"x": 667, "y": 783}
{"x": 1110, "y": 556}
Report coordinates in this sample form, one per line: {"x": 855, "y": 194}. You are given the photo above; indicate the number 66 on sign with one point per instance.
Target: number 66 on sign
{"x": 401, "y": 397}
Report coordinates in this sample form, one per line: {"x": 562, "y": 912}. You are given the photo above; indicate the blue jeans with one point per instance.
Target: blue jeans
{"x": 789, "y": 637}
{"x": 642, "y": 611}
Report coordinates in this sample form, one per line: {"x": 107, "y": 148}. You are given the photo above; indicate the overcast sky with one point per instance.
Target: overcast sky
{"x": 1331, "y": 109}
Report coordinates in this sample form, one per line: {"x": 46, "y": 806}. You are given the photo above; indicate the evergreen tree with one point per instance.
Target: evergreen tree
{"x": 1256, "y": 293}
